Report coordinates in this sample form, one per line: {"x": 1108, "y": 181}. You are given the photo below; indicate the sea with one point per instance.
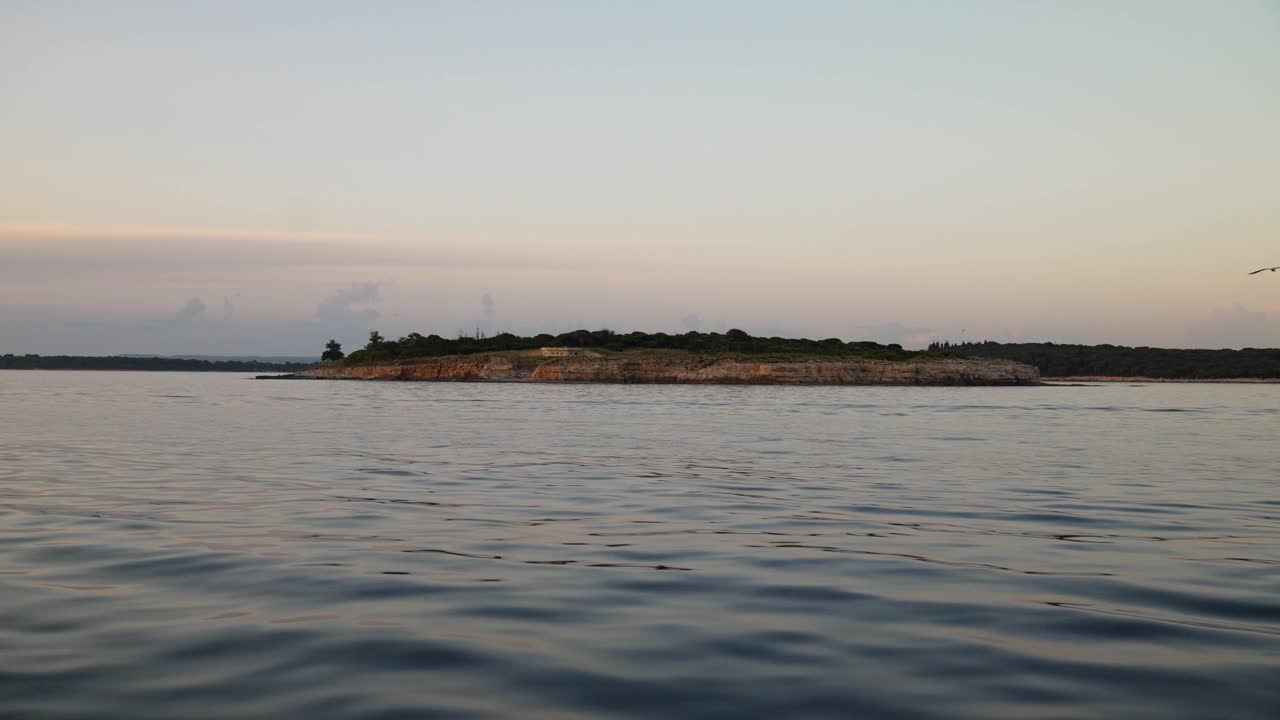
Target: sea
{"x": 188, "y": 545}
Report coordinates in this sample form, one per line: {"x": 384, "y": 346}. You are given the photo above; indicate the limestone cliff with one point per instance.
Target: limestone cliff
{"x": 457, "y": 368}
{"x": 697, "y": 370}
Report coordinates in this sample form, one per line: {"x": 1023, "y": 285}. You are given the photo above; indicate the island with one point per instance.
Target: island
{"x": 734, "y": 357}
{"x": 1120, "y": 363}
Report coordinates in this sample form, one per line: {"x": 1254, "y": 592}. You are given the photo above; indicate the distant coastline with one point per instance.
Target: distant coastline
{"x": 705, "y": 369}
{"x": 740, "y": 357}
{"x": 604, "y": 356}
{"x": 1096, "y": 362}
{"x": 143, "y": 364}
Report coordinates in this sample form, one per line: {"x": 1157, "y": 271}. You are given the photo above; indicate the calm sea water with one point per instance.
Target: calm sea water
{"x": 201, "y": 546}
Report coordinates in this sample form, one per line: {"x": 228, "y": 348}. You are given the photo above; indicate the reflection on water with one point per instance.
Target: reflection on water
{"x": 182, "y": 545}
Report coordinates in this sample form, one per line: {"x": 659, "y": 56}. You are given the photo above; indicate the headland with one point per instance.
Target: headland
{"x": 685, "y": 368}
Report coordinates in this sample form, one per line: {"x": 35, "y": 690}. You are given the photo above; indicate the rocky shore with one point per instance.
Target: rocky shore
{"x": 694, "y": 370}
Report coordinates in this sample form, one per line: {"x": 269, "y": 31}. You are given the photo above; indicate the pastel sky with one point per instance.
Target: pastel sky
{"x": 256, "y": 177}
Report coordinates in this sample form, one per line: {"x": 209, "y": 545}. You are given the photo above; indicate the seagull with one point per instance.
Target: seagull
{"x": 1255, "y": 272}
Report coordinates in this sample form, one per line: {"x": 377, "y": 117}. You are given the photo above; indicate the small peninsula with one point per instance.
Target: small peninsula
{"x": 691, "y": 358}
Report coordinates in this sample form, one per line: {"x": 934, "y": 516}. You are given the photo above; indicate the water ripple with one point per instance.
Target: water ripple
{"x": 184, "y": 545}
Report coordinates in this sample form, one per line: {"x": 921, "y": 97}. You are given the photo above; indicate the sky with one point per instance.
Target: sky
{"x": 257, "y": 177}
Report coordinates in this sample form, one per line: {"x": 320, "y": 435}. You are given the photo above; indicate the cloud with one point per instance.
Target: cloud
{"x": 66, "y": 231}
{"x": 32, "y": 251}
{"x": 194, "y": 308}
{"x": 342, "y": 309}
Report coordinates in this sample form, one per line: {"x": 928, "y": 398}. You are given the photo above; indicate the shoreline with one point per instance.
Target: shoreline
{"x": 688, "y": 371}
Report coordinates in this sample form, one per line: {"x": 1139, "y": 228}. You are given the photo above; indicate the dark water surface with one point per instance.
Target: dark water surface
{"x": 187, "y": 545}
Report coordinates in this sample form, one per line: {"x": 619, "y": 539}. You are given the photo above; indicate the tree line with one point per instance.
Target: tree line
{"x": 79, "y": 362}
{"x": 415, "y": 345}
{"x": 1061, "y": 360}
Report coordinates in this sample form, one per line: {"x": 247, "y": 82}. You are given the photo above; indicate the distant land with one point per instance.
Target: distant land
{"x": 1118, "y": 362}
{"x": 278, "y": 359}
{"x": 681, "y": 367}
{"x": 415, "y": 346}
{"x": 125, "y": 362}
{"x": 734, "y": 357}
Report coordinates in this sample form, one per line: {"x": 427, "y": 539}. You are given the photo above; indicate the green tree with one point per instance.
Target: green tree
{"x": 332, "y": 351}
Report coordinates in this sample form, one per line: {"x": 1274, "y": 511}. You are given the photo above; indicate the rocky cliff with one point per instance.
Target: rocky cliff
{"x": 697, "y": 370}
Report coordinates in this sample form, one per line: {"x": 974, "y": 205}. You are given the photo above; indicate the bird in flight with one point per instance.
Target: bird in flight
{"x": 1255, "y": 272}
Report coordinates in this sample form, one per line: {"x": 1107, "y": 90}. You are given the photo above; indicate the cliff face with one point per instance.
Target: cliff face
{"x": 459, "y": 368}
{"x": 699, "y": 371}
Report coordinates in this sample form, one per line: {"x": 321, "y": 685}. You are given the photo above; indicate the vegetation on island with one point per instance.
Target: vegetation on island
{"x": 1059, "y": 360}
{"x": 116, "y": 362}
{"x": 734, "y": 342}
{"x": 1052, "y": 359}
{"x": 332, "y": 351}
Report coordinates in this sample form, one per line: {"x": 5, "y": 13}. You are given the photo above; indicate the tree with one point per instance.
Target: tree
{"x": 332, "y": 351}
{"x": 375, "y": 340}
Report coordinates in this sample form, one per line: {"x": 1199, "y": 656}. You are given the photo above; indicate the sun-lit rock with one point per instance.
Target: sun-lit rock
{"x": 697, "y": 370}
